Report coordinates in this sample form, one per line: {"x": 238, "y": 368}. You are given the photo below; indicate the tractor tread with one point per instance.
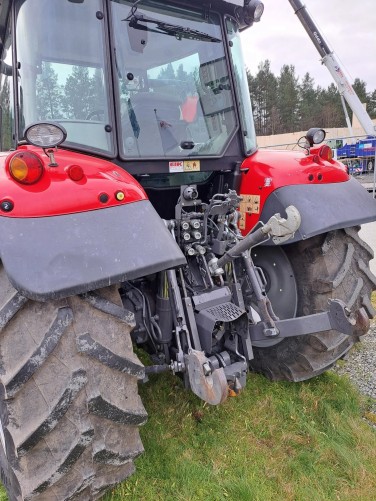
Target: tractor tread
{"x": 112, "y": 457}
{"x": 88, "y": 346}
{"x": 63, "y": 319}
{"x": 59, "y": 360}
{"x": 76, "y": 383}
{"x": 68, "y": 463}
{"x": 367, "y": 304}
{"x": 109, "y": 307}
{"x": 327, "y": 341}
{"x": 102, "y": 408}
{"x": 344, "y": 257}
{"x": 10, "y": 308}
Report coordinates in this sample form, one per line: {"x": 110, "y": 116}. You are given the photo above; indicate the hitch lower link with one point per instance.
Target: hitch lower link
{"x": 338, "y": 317}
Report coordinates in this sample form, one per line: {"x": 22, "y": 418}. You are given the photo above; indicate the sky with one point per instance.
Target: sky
{"x": 348, "y": 26}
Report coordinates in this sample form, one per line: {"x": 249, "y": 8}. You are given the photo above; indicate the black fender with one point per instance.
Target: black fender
{"x": 58, "y": 256}
{"x": 323, "y": 207}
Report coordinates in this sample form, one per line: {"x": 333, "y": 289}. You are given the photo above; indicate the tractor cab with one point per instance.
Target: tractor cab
{"x": 148, "y": 84}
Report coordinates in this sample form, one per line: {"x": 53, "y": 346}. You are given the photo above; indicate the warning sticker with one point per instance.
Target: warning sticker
{"x": 249, "y": 205}
{"x": 184, "y": 166}
{"x": 176, "y": 166}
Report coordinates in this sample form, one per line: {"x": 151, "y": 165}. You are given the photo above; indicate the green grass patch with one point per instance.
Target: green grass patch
{"x": 275, "y": 441}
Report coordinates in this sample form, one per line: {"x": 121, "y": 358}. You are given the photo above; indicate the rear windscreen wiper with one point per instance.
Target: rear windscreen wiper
{"x": 162, "y": 27}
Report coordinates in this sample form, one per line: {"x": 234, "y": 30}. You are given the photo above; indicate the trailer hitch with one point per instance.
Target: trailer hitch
{"x": 337, "y": 317}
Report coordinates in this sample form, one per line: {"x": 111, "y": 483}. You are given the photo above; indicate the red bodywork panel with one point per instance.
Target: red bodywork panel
{"x": 56, "y": 194}
{"x": 268, "y": 170}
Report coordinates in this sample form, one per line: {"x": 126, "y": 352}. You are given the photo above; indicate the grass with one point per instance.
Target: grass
{"x": 275, "y": 442}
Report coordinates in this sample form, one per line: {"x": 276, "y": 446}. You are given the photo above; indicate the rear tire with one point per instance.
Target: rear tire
{"x": 334, "y": 265}
{"x": 69, "y": 405}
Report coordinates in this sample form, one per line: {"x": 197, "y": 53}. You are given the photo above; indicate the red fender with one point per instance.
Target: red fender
{"x": 56, "y": 193}
{"x": 267, "y": 170}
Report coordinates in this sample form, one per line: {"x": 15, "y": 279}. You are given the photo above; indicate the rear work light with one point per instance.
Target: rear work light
{"x": 26, "y": 167}
{"x": 45, "y": 134}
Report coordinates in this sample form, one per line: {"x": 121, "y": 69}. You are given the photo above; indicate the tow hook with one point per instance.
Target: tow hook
{"x": 347, "y": 311}
{"x": 206, "y": 369}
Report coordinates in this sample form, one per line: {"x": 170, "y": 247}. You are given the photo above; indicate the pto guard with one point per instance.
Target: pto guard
{"x": 323, "y": 207}
{"x": 53, "y": 257}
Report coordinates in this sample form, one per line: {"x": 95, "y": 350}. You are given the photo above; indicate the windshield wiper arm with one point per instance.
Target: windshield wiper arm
{"x": 178, "y": 32}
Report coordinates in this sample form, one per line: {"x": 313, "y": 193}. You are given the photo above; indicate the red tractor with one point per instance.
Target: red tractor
{"x": 135, "y": 208}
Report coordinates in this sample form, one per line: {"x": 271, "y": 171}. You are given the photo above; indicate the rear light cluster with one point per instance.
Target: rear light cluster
{"x": 75, "y": 172}
{"x": 26, "y": 167}
{"x": 326, "y": 153}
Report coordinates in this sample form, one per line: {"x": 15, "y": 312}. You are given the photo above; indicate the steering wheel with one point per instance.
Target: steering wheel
{"x": 98, "y": 114}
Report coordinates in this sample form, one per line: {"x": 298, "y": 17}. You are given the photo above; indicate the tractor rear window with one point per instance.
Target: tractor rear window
{"x": 173, "y": 82}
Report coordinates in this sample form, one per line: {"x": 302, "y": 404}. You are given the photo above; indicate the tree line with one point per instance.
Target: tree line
{"x": 76, "y": 99}
{"x": 283, "y": 103}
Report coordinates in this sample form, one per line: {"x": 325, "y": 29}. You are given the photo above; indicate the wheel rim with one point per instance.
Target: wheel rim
{"x": 281, "y": 286}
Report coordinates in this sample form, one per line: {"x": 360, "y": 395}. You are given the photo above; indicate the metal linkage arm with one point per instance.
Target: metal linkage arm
{"x": 278, "y": 228}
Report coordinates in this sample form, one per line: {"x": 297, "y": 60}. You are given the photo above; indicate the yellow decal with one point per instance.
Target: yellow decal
{"x": 191, "y": 165}
{"x": 250, "y": 204}
{"x": 241, "y": 222}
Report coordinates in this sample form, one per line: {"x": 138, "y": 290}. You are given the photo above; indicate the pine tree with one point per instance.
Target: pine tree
{"x": 263, "y": 92}
{"x": 77, "y": 102}
{"x": 288, "y": 99}
{"x": 308, "y": 105}
{"x": 283, "y": 105}
{"x": 331, "y": 110}
{"x": 372, "y": 104}
{"x": 360, "y": 88}
{"x": 167, "y": 73}
{"x": 49, "y": 94}
{"x": 6, "y": 139}
{"x": 97, "y": 98}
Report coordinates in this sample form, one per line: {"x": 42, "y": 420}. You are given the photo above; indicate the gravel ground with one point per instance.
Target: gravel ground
{"x": 368, "y": 233}
{"x": 360, "y": 364}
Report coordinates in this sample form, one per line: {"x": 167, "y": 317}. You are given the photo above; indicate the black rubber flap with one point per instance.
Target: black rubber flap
{"x": 53, "y": 257}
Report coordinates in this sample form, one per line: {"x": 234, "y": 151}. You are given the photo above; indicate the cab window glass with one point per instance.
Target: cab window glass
{"x": 61, "y": 53}
{"x": 173, "y": 81}
{"x": 6, "y": 97}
